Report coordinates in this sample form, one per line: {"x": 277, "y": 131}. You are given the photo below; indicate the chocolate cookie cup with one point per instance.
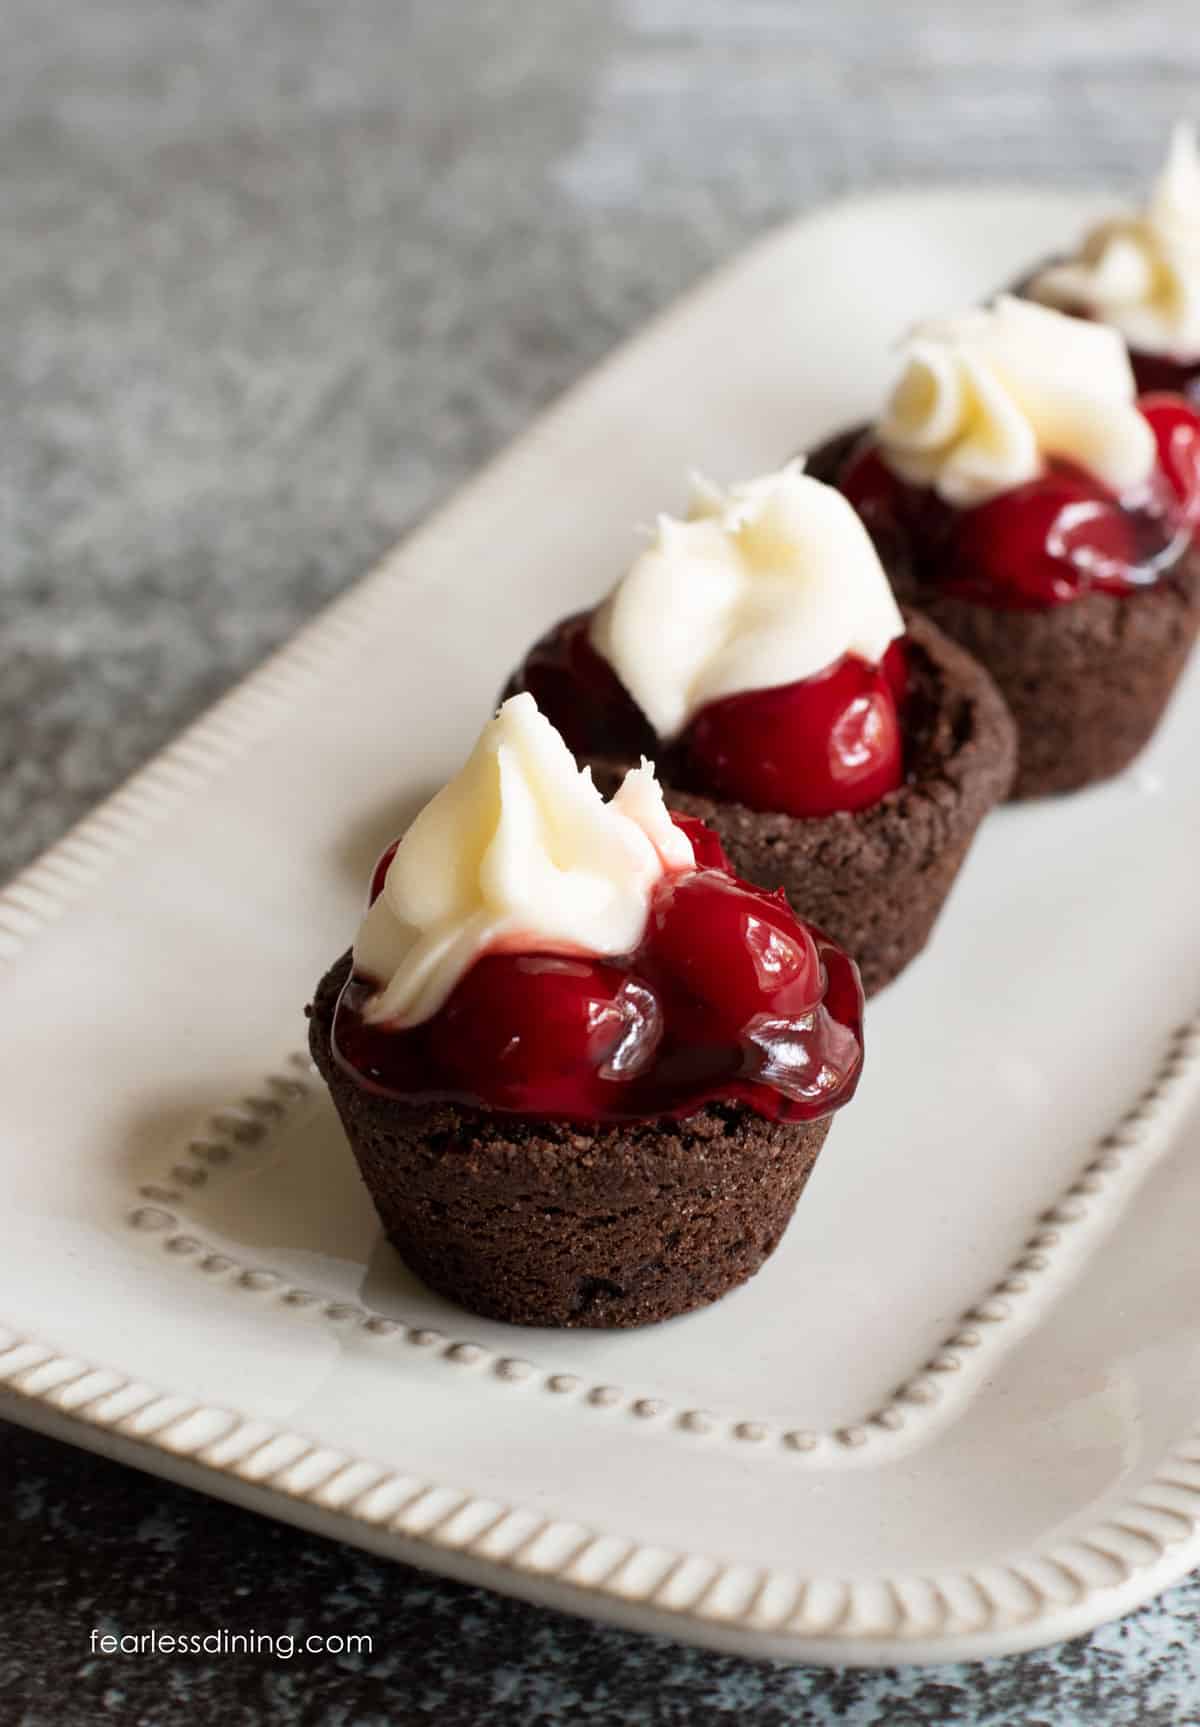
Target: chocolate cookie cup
{"x": 585, "y": 1070}
{"x": 875, "y": 879}
{"x": 1087, "y": 683}
{"x": 554, "y": 1223}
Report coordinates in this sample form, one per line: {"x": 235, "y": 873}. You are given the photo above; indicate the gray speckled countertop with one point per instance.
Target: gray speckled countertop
{"x": 275, "y": 275}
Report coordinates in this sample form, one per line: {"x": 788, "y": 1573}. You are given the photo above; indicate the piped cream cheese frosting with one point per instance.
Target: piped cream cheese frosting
{"x": 982, "y": 401}
{"x": 762, "y": 584}
{"x": 518, "y": 853}
{"x": 1141, "y": 272}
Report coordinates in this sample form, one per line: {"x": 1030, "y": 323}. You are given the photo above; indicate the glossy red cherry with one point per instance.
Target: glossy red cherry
{"x": 522, "y": 1029}
{"x": 1176, "y": 427}
{"x": 1041, "y": 543}
{"x": 822, "y": 744}
{"x": 740, "y": 951}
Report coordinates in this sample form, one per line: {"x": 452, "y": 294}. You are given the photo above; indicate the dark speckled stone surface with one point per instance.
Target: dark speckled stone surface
{"x": 275, "y": 276}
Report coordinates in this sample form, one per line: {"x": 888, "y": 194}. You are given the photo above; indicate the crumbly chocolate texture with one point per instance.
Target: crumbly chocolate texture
{"x": 876, "y": 879}
{"x": 538, "y": 1222}
{"x": 1087, "y": 682}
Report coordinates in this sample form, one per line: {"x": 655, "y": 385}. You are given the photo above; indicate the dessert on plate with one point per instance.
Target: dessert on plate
{"x": 1140, "y": 272}
{"x": 584, "y": 1069}
{"x": 1041, "y": 512}
{"x": 841, "y": 751}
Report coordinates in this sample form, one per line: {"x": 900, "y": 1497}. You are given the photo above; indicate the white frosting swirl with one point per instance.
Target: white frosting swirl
{"x": 983, "y": 399}
{"x": 519, "y": 853}
{"x": 1141, "y": 272}
{"x": 764, "y": 584}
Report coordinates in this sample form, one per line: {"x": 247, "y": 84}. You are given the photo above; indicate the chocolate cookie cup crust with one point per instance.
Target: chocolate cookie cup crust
{"x": 540, "y": 1222}
{"x": 1087, "y": 682}
{"x": 875, "y": 879}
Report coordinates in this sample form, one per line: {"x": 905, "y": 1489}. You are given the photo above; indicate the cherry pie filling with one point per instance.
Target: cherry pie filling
{"x": 1049, "y": 541}
{"x": 728, "y": 998}
{"x": 824, "y": 743}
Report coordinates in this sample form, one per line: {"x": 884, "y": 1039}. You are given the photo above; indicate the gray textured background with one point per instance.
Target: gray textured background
{"x": 275, "y": 275}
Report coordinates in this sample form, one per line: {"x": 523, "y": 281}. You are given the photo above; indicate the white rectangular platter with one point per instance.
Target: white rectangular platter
{"x": 956, "y": 1413}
